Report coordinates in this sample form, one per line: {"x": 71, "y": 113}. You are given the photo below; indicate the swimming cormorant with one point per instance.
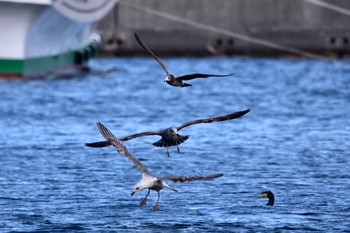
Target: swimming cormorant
{"x": 269, "y": 195}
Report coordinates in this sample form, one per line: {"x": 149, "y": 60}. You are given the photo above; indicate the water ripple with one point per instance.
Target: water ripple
{"x": 295, "y": 142}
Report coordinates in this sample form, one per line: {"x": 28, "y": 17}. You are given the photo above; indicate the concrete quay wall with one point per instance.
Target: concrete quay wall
{"x": 203, "y": 27}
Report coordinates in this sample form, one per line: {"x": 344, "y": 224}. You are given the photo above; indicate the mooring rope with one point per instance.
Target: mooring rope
{"x": 330, "y": 6}
{"x": 220, "y": 30}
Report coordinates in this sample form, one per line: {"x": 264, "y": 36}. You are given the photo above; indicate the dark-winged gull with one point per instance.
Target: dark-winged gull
{"x": 171, "y": 79}
{"x": 170, "y": 136}
{"x": 148, "y": 180}
{"x": 269, "y": 195}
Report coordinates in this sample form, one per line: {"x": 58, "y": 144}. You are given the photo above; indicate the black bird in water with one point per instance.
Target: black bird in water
{"x": 269, "y": 195}
{"x": 171, "y": 79}
{"x": 148, "y": 180}
{"x": 170, "y": 136}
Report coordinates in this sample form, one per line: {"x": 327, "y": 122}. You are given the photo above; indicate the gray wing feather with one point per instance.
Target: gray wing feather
{"x": 138, "y": 39}
{"x": 121, "y": 148}
{"x": 190, "y": 178}
{"x": 199, "y": 75}
{"x": 225, "y": 117}
{"x": 107, "y": 143}
{"x": 98, "y": 144}
{"x": 147, "y": 133}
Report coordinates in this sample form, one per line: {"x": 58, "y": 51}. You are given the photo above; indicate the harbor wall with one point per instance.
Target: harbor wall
{"x": 203, "y": 27}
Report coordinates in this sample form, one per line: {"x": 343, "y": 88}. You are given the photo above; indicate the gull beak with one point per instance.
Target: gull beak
{"x": 133, "y": 193}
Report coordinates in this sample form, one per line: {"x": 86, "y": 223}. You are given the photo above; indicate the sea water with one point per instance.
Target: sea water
{"x": 295, "y": 142}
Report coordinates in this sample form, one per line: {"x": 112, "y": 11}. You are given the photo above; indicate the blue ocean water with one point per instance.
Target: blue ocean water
{"x": 294, "y": 142}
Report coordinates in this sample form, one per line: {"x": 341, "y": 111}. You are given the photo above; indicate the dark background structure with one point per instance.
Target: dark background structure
{"x": 201, "y": 27}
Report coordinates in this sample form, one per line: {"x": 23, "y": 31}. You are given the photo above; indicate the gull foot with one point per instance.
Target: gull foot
{"x": 143, "y": 202}
{"x": 156, "y": 207}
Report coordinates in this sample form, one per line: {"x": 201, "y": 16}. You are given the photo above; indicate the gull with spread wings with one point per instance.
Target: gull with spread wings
{"x": 171, "y": 79}
{"x": 170, "y": 136}
{"x": 148, "y": 180}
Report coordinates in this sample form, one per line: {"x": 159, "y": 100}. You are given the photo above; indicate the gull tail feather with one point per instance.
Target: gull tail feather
{"x": 181, "y": 139}
{"x": 168, "y": 187}
{"x": 160, "y": 143}
{"x": 186, "y": 85}
{"x": 178, "y": 141}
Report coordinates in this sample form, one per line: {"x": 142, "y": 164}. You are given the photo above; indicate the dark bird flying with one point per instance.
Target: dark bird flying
{"x": 171, "y": 79}
{"x": 170, "y": 136}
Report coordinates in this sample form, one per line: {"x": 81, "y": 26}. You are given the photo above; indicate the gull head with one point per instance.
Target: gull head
{"x": 146, "y": 182}
{"x": 169, "y": 78}
{"x": 173, "y": 130}
{"x": 136, "y": 189}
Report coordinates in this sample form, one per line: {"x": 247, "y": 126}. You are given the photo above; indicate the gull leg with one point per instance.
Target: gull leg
{"x": 178, "y": 149}
{"x": 167, "y": 151}
{"x": 144, "y": 201}
{"x": 156, "y": 206}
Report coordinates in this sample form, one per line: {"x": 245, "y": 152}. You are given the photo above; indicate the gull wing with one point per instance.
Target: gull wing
{"x": 121, "y": 148}
{"x": 225, "y": 117}
{"x": 199, "y": 75}
{"x": 138, "y": 39}
{"x": 98, "y": 144}
{"x": 147, "y": 133}
{"x": 190, "y": 178}
{"x": 107, "y": 143}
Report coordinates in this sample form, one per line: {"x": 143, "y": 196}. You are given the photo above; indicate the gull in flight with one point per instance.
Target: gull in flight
{"x": 171, "y": 79}
{"x": 148, "y": 180}
{"x": 170, "y": 136}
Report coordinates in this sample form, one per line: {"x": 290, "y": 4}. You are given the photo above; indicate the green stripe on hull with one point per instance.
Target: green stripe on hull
{"x": 36, "y": 65}
{"x": 11, "y": 66}
{"x": 17, "y": 67}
